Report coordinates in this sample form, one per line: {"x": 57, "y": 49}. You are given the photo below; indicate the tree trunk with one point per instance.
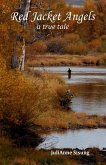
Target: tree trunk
{"x": 22, "y": 57}
{"x": 24, "y": 8}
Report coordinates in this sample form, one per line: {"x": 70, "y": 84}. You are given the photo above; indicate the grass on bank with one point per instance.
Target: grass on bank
{"x": 66, "y": 60}
{"x": 12, "y": 155}
{"x": 53, "y": 120}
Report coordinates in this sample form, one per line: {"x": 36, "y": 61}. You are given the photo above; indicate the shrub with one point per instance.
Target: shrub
{"x": 25, "y": 97}
{"x": 55, "y": 45}
{"x": 39, "y": 47}
{"x": 103, "y": 46}
{"x": 76, "y": 48}
{"x": 103, "y": 37}
{"x": 94, "y": 45}
{"x": 64, "y": 97}
{"x": 102, "y": 61}
{"x": 71, "y": 38}
{"x": 18, "y": 111}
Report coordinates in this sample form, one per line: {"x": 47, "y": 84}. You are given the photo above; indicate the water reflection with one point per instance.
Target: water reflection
{"x": 85, "y": 79}
{"x": 90, "y": 98}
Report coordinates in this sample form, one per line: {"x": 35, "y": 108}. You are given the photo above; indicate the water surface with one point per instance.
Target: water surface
{"x": 75, "y": 139}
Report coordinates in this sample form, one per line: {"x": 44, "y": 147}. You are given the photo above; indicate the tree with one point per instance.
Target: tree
{"x": 24, "y": 9}
{"x": 25, "y": 6}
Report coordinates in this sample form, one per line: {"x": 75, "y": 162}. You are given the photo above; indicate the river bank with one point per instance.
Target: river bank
{"x": 66, "y": 60}
{"x": 12, "y": 155}
{"x": 61, "y": 120}
{"x": 58, "y": 117}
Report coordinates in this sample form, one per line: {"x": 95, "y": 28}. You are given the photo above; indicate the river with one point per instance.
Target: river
{"x": 89, "y": 87}
{"x": 75, "y": 139}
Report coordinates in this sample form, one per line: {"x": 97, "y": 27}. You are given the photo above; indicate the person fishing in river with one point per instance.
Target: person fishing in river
{"x": 69, "y": 73}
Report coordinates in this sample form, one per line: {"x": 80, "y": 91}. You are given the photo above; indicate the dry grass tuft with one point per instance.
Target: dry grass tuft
{"x": 66, "y": 60}
{"x": 24, "y": 161}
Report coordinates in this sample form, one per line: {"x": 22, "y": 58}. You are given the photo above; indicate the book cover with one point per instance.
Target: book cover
{"x": 52, "y": 82}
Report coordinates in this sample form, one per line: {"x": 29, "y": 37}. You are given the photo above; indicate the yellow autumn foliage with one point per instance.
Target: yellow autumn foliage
{"x": 16, "y": 93}
{"x": 26, "y": 96}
